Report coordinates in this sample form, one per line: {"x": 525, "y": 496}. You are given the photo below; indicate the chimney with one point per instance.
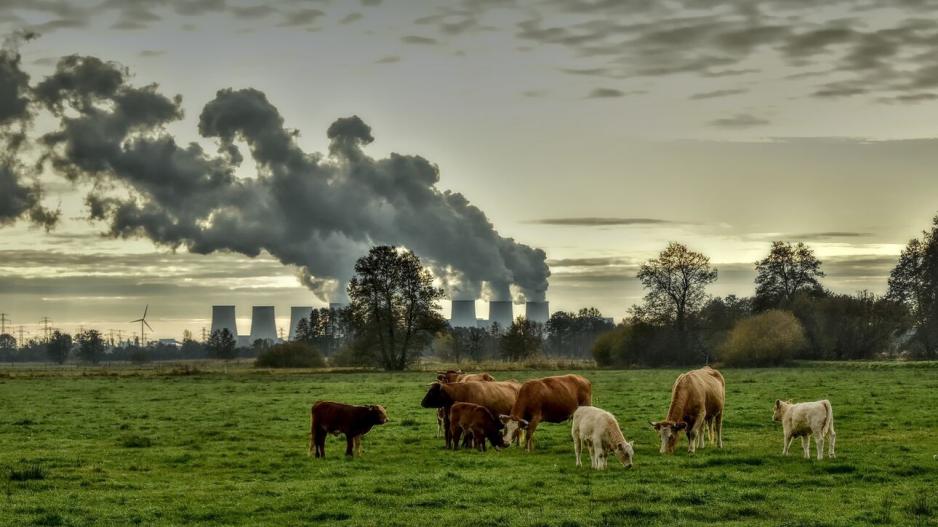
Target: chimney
{"x": 501, "y": 312}
{"x": 537, "y": 312}
{"x": 463, "y": 314}
{"x": 262, "y": 324}
{"x": 296, "y": 314}
{"x": 223, "y": 317}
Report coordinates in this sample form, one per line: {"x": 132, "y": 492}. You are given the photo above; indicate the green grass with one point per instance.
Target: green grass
{"x": 211, "y": 449}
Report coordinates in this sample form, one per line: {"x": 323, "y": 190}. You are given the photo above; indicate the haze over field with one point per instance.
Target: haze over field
{"x": 593, "y": 131}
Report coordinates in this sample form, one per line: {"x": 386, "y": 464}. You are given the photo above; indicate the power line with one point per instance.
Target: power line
{"x": 45, "y": 327}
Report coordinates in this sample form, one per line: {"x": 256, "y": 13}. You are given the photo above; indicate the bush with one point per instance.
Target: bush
{"x": 290, "y": 355}
{"x": 770, "y": 338}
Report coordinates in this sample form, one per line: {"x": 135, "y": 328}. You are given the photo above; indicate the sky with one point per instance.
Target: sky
{"x": 497, "y": 139}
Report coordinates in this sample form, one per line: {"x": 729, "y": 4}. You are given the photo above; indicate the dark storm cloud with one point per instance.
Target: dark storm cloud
{"x": 313, "y": 211}
{"x": 600, "y": 222}
{"x": 742, "y": 120}
{"x": 717, "y": 93}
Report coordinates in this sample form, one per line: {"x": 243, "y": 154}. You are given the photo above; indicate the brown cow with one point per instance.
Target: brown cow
{"x": 551, "y": 399}
{"x": 456, "y": 376}
{"x": 475, "y": 421}
{"x": 326, "y": 417}
{"x": 696, "y": 404}
{"x": 494, "y": 395}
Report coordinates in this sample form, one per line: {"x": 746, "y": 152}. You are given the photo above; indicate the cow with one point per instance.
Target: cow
{"x": 494, "y": 395}
{"x": 805, "y": 420}
{"x": 551, "y": 399}
{"x": 475, "y": 421}
{"x": 327, "y": 417}
{"x": 456, "y": 376}
{"x": 600, "y": 431}
{"x": 697, "y": 407}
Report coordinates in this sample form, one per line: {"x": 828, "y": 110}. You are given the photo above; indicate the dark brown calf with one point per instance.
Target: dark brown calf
{"x": 476, "y": 420}
{"x": 326, "y": 417}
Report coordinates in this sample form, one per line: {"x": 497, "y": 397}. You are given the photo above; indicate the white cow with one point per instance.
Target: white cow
{"x": 805, "y": 420}
{"x": 599, "y": 430}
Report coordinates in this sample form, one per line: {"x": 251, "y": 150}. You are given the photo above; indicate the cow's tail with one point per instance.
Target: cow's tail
{"x": 828, "y": 428}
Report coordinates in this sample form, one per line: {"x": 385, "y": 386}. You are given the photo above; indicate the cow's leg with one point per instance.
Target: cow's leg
{"x": 806, "y": 445}
{"x": 831, "y": 439}
{"x": 577, "y": 445}
{"x": 529, "y": 435}
{"x": 469, "y": 439}
{"x": 786, "y": 443}
{"x": 320, "y": 442}
{"x": 819, "y": 444}
{"x": 358, "y": 445}
{"x": 480, "y": 434}
{"x": 349, "y": 445}
{"x": 456, "y": 433}
{"x": 439, "y": 422}
{"x": 447, "y": 430}
{"x": 718, "y": 425}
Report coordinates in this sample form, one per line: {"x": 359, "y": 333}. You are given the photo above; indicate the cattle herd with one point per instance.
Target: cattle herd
{"x": 475, "y": 409}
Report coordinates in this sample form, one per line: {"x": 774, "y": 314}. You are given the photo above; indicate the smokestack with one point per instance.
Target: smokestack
{"x": 262, "y": 324}
{"x": 463, "y": 314}
{"x": 501, "y": 312}
{"x": 296, "y": 314}
{"x": 223, "y": 317}
{"x": 537, "y": 312}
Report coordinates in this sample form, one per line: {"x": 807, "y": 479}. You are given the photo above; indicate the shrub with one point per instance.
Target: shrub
{"x": 770, "y": 338}
{"x": 290, "y": 355}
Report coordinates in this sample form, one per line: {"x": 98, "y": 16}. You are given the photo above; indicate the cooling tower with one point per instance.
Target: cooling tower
{"x": 463, "y": 314}
{"x": 223, "y": 317}
{"x": 262, "y": 324}
{"x": 297, "y": 313}
{"x": 537, "y": 312}
{"x": 501, "y": 312}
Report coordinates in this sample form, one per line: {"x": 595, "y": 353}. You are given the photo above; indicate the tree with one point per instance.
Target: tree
{"x": 523, "y": 340}
{"x": 90, "y": 345}
{"x": 914, "y": 284}
{"x": 676, "y": 282}
{"x": 394, "y": 306}
{"x": 573, "y": 334}
{"x": 221, "y": 344}
{"x": 786, "y": 270}
{"x": 767, "y": 339}
{"x": 58, "y": 346}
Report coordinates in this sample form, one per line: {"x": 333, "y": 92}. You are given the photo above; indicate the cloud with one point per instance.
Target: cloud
{"x": 599, "y": 221}
{"x": 152, "y": 53}
{"x": 351, "y": 18}
{"x": 604, "y": 93}
{"x": 302, "y": 17}
{"x": 716, "y": 93}
{"x": 605, "y": 261}
{"x": 388, "y": 59}
{"x": 416, "y": 39}
{"x": 741, "y": 120}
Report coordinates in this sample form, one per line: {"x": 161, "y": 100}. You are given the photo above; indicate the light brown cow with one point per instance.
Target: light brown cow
{"x": 551, "y": 399}
{"x": 456, "y": 376}
{"x": 478, "y": 423}
{"x": 497, "y": 396}
{"x": 696, "y": 401}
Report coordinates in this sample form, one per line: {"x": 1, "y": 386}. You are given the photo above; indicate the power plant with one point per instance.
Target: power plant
{"x": 263, "y": 325}
{"x": 463, "y": 314}
{"x": 537, "y": 312}
{"x": 501, "y": 312}
{"x": 298, "y": 313}
{"x": 223, "y": 317}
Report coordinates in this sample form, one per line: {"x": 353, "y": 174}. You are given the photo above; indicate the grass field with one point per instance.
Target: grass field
{"x": 231, "y": 450}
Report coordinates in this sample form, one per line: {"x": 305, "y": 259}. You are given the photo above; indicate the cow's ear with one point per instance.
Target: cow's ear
{"x": 504, "y": 419}
{"x": 778, "y": 402}
{"x": 654, "y": 425}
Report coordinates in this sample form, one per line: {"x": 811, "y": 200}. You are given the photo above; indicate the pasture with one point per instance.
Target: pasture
{"x": 218, "y": 449}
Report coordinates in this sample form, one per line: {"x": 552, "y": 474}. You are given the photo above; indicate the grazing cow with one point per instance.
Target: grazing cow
{"x": 551, "y": 399}
{"x": 497, "y": 396}
{"x": 697, "y": 407}
{"x": 805, "y": 420}
{"x": 599, "y": 430}
{"x": 475, "y": 421}
{"x": 326, "y": 417}
{"x": 456, "y": 376}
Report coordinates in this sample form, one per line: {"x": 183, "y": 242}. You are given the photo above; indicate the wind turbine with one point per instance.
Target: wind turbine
{"x": 143, "y": 321}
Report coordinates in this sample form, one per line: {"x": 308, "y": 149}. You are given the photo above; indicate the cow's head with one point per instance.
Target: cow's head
{"x": 379, "y": 415}
{"x": 512, "y": 428}
{"x": 436, "y": 397}
{"x": 668, "y": 432}
{"x": 448, "y": 375}
{"x": 624, "y": 452}
{"x": 778, "y": 411}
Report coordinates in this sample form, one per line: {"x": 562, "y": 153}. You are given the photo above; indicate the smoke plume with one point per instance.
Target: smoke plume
{"x": 318, "y": 212}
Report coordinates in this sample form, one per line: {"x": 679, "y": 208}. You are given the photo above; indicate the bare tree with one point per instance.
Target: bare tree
{"x": 786, "y": 270}
{"x": 676, "y": 282}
